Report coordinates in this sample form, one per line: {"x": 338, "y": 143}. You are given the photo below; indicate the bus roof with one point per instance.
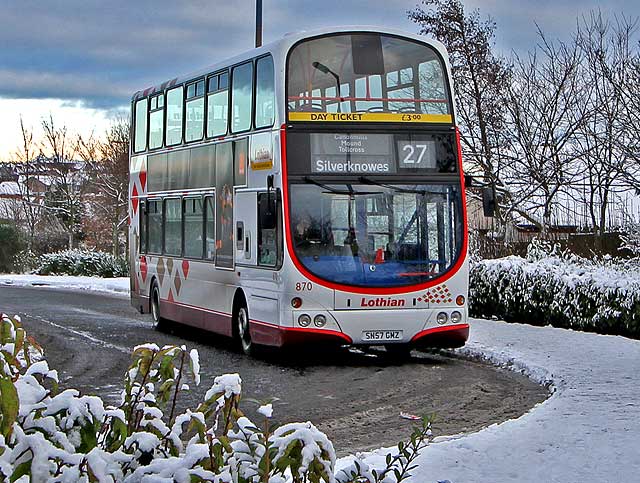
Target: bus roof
{"x": 280, "y": 47}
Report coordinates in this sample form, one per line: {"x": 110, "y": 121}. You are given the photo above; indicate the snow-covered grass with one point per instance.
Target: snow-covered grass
{"x": 119, "y": 286}
{"x": 587, "y": 431}
{"x": 564, "y": 291}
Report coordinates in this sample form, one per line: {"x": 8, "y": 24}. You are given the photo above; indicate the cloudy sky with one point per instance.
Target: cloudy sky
{"x": 82, "y": 59}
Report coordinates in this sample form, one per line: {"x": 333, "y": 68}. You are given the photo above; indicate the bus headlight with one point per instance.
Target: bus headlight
{"x": 456, "y": 317}
{"x": 304, "y": 320}
{"x": 319, "y": 320}
{"x": 442, "y": 318}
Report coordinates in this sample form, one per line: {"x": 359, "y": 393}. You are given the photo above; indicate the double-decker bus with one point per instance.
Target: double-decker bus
{"x": 310, "y": 190}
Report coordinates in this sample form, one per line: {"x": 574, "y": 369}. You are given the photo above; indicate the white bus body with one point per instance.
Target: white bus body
{"x": 273, "y": 292}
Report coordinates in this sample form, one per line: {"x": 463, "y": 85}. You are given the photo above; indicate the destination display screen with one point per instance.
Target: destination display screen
{"x": 366, "y": 153}
{"x": 352, "y": 153}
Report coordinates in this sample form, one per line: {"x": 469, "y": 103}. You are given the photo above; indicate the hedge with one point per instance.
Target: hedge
{"x": 82, "y": 262}
{"x": 561, "y": 290}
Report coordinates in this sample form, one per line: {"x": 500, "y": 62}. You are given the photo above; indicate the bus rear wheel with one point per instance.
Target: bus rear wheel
{"x": 242, "y": 329}
{"x": 158, "y": 322}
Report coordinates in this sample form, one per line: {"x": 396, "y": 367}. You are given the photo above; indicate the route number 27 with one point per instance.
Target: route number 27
{"x": 303, "y": 286}
{"x": 410, "y": 150}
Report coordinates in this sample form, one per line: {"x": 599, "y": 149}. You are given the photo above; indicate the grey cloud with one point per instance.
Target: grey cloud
{"x": 102, "y": 52}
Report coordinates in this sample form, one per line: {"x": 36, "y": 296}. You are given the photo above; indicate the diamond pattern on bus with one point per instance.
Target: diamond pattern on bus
{"x": 143, "y": 268}
{"x": 160, "y": 268}
{"x": 143, "y": 180}
{"x": 437, "y": 295}
{"x": 185, "y": 268}
{"x": 134, "y": 198}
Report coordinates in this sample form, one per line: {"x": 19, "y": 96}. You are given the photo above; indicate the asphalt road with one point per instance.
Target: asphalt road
{"x": 355, "y": 397}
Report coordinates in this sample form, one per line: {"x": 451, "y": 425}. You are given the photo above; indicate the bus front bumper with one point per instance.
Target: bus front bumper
{"x": 442, "y": 337}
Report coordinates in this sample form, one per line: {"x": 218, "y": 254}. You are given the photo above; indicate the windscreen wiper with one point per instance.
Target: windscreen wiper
{"x": 309, "y": 180}
{"x": 365, "y": 180}
{"x": 349, "y": 192}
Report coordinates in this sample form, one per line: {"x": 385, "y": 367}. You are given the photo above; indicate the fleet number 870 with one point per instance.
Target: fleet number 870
{"x": 303, "y": 286}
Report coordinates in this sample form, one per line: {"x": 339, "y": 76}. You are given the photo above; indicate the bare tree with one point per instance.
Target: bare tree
{"x": 108, "y": 164}
{"x": 607, "y": 135}
{"x": 65, "y": 196}
{"x": 31, "y": 202}
{"x": 480, "y": 77}
{"x": 546, "y": 110}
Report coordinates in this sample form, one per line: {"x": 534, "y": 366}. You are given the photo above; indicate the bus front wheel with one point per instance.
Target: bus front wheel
{"x": 242, "y": 327}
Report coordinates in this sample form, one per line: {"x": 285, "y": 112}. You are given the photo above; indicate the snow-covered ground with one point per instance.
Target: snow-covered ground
{"x": 587, "y": 431}
{"x": 118, "y": 286}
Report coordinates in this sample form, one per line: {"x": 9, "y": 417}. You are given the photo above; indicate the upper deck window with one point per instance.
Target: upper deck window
{"x": 217, "y": 104}
{"x": 241, "y": 97}
{"x": 366, "y": 72}
{"x": 174, "y": 116}
{"x": 140, "y": 140}
{"x": 265, "y": 92}
{"x": 194, "y": 111}
{"x": 156, "y": 121}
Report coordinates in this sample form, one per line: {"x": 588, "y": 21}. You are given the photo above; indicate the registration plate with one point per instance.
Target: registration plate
{"x": 381, "y": 335}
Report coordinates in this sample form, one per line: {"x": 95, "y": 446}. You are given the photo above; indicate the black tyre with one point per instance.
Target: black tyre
{"x": 242, "y": 330}
{"x": 159, "y": 323}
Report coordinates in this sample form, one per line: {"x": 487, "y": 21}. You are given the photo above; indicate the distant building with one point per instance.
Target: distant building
{"x": 10, "y": 199}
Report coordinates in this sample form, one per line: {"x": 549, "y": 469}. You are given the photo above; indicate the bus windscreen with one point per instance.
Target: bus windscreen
{"x": 366, "y": 73}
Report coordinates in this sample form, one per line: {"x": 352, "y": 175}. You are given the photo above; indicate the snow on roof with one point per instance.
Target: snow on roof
{"x": 9, "y": 188}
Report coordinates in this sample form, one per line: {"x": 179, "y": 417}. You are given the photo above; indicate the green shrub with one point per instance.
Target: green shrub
{"x": 82, "y": 262}
{"x": 10, "y": 244}
{"x": 559, "y": 289}
{"x": 52, "y": 435}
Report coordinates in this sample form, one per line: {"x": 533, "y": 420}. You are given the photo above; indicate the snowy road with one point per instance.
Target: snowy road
{"x": 588, "y": 431}
{"x": 355, "y": 398}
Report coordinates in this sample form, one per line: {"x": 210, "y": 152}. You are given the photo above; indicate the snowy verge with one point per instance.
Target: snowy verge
{"x": 118, "y": 286}
{"x": 587, "y": 431}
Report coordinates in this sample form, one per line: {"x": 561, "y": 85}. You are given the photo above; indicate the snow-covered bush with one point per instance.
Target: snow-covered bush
{"x": 82, "y": 262}
{"x": 25, "y": 261}
{"x": 561, "y": 289}
{"x": 47, "y": 435}
{"x": 630, "y": 237}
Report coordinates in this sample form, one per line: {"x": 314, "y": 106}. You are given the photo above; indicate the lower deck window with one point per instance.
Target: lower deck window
{"x": 155, "y": 226}
{"x": 173, "y": 227}
{"x": 193, "y": 228}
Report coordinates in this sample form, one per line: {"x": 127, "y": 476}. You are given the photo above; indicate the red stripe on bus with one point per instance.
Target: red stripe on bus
{"x": 305, "y": 330}
{"x": 443, "y": 328}
{"x": 370, "y": 290}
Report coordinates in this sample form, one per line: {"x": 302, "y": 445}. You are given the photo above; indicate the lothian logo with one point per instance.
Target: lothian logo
{"x": 381, "y": 302}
